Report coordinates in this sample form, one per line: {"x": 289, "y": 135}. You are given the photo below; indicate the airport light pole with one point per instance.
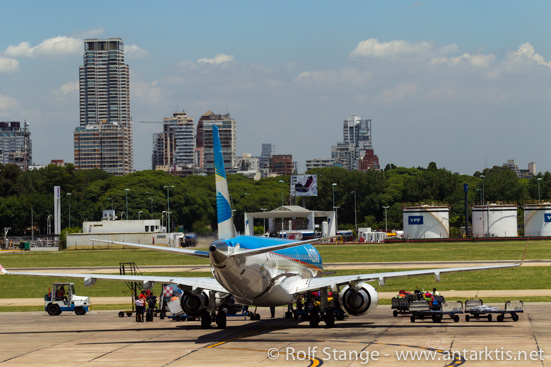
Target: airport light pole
{"x": 386, "y": 218}
{"x": 355, "y": 213}
{"x": 167, "y": 187}
{"x": 482, "y": 176}
{"x": 151, "y": 200}
{"x": 126, "y": 190}
{"x": 264, "y": 219}
{"x": 539, "y": 179}
{"x": 122, "y": 215}
{"x": 334, "y": 184}
{"x": 69, "y": 196}
{"x": 281, "y": 182}
{"x": 140, "y": 212}
{"x": 163, "y": 218}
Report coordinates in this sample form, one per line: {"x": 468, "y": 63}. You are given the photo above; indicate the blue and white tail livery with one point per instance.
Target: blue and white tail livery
{"x": 226, "y": 228}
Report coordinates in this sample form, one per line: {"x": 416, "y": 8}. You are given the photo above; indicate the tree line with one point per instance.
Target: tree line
{"x": 27, "y": 197}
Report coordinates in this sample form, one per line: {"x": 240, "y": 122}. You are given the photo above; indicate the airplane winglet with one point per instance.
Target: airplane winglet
{"x": 4, "y": 271}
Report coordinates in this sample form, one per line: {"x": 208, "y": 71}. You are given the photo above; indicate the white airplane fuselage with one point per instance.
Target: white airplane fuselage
{"x": 264, "y": 279}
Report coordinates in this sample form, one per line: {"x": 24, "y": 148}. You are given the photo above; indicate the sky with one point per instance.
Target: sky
{"x": 465, "y": 84}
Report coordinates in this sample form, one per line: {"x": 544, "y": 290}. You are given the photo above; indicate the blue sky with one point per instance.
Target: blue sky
{"x": 463, "y": 83}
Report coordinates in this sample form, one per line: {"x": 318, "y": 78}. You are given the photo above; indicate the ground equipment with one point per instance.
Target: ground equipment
{"x": 62, "y": 297}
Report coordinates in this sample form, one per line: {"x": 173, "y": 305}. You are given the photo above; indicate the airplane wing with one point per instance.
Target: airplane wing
{"x": 314, "y": 284}
{"x": 181, "y": 251}
{"x": 90, "y": 279}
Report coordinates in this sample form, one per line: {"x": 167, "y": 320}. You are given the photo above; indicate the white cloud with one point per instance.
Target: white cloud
{"x": 527, "y": 54}
{"x": 218, "y": 59}
{"x": 8, "y": 65}
{"x": 346, "y": 76}
{"x": 372, "y": 48}
{"x": 60, "y": 45}
{"x": 68, "y": 88}
{"x": 397, "y": 93}
{"x": 133, "y": 51}
{"x": 482, "y": 61}
{"x": 7, "y": 103}
{"x": 147, "y": 93}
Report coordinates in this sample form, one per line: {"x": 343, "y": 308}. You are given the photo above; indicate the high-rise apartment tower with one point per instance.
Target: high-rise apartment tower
{"x": 104, "y": 138}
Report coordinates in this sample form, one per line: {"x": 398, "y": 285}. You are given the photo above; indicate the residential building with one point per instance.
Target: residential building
{"x": 265, "y": 156}
{"x": 356, "y": 151}
{"x": 175, "y": 146}
{"x": 104, "y": 138}
{"x": 227, "y": 130}
{"x": 15, "y": 144}
{"x": 282, "y": 164}
{"x": 319, "y": 163}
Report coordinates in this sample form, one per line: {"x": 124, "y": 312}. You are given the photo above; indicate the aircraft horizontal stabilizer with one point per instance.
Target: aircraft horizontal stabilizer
{"x": 181, "y": 251}
{"x": 281, "y": 246}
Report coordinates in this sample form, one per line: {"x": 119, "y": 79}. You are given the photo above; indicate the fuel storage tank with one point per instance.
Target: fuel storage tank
{"x": 495, "y": 220}
{"x": 426, "y": 221}
{"x": 537, "y": 220}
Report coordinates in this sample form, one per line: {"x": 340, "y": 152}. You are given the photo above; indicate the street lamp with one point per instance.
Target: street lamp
{"x": 264, "y": 210}
{"x": 167, "y": 187}
{"x": 163, "y": 218}
{"x": 539, "y": 179}
{"x": 126, "y": 202}
{"x": 482, "y": 176}
{"x": 69, "y": 196}
{"x": 386, "y": 208}
{"x": 281, "y": 182}
{"x": 355, "y": 214}
{"x": 151, "y": 200}
{"x": 333, "y": 184}
{"x": 122, "y": 213}
{"x": 140, "y": 212}
{"x": 49, "y": 224}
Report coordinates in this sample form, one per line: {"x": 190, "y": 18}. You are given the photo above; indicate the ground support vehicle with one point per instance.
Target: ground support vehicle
{"x": 316, "y": 307}
{"x": 475, "y": 308}
{"x": 62, "y": 297}
{"x": 421, "y": 310}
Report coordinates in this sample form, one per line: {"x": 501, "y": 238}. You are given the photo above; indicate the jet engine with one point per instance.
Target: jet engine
{"x": 194, "y": 305}
{"x": 359, "y": 299}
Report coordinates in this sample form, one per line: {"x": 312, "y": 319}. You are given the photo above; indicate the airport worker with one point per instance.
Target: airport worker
{"x": 140, "y": 305}
{"x": 272, "y": 311}
{"x": 60, "y": 294}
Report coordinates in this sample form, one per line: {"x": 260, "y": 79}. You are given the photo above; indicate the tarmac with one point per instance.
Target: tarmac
{"x": 503, "y": 293}
{"x": 101, "y": 338}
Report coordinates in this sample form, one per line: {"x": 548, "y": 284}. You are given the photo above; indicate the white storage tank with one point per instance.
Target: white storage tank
{"x": 537, "y": 220}
{"x": 426, "y": 221}
{"x": 495, "y": 220}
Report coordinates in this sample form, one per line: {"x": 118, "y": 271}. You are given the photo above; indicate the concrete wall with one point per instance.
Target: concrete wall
{"x": 83, "y": 240}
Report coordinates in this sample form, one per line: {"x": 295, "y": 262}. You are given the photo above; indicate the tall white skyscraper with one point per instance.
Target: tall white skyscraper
{"x": 104, "y": 138}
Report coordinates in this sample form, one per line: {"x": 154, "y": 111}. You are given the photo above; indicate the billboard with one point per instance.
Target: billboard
{"x": 304, "y": 185}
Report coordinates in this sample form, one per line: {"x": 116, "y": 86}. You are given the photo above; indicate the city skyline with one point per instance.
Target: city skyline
{"x": 462, "y": 84}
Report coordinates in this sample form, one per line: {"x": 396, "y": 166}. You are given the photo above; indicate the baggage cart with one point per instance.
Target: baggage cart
{"x": 421, "y": 310}
{"x": 475, "y": 308}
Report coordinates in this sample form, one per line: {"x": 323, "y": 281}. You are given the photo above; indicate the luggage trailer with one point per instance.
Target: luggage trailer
{"x": 420, "y": 310}
{"x": 475, "y": 308}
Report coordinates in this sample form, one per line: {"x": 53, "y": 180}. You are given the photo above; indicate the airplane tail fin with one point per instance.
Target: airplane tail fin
{"x": 226, "y": 228}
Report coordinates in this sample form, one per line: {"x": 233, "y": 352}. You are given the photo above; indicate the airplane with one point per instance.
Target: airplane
{"x": 262, "y": 271}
